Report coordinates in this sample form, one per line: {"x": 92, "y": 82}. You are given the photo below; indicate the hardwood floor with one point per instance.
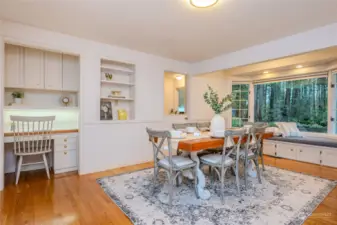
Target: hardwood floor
{"x": 73, "y": 199}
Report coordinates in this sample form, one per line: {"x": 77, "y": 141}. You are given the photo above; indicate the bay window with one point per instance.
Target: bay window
{"x": 304, "y": 101}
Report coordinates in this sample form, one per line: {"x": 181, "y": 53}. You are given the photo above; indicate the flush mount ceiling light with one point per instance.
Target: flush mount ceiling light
{"x": 203, "y": 3}
{"x": 299, "y": 66}
{"x": 265, "y": 72}
{"x": 179, "y": 77}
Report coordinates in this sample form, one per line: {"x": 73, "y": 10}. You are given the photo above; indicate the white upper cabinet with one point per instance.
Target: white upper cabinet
{"x": 71, "y": 73}
{"x": 14, "y": 77}
{"x": 36, "y": 69}
{"x": 33, "y": 68}
{"x": 53, "y": 71}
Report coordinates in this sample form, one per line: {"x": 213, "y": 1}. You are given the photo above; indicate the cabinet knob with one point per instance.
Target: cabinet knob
{"x": 65, "y": 146}
{"x": 65, "y": 153}
{"x": 292, "y": 150}
{"x": 65, "y": 140}
{"x": 300, "y": 150}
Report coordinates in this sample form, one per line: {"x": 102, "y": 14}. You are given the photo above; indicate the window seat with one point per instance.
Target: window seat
{"x": 316, "y": 141}
{"x": 317, "y": 150}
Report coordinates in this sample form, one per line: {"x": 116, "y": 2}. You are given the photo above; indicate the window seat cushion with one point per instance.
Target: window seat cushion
{"x": 321, "y": 141}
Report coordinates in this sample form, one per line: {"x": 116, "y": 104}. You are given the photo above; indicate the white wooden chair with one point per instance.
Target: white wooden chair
{"x": 32, "y": 136}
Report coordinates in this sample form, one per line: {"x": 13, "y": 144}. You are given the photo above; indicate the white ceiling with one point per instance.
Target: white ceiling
{"x": 172, "y": 28}
{"x": 309, "y": 59}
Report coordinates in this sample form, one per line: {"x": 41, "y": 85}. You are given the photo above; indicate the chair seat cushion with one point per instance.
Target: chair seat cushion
{"x": 215, "y": 159}
{"x": 178, "y": 161}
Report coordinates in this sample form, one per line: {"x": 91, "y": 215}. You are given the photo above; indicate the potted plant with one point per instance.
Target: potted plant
{"x": 211, "y": 97}
{"x": 17, "y": 96}
{"x": 108, "y": 76}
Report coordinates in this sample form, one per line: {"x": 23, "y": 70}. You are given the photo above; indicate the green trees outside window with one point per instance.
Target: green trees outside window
{"x": 302, "y": 101}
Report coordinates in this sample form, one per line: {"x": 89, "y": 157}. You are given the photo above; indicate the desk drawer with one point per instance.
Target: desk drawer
{"x": 61, "y": 140}
{"x": 65, "y": 146}
{"x": 65, "y": 159}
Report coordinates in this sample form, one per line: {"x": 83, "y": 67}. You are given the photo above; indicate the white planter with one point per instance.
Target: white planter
{"x": 217, "y": 125}
{"x": 18, "y": 100}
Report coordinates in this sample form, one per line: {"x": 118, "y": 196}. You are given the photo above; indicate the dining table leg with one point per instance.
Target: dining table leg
{"x": 186, "y": 173}
{"x": 202, "y": 192}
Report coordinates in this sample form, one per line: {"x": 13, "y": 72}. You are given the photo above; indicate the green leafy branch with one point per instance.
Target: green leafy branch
{"x": 211, "y": 97}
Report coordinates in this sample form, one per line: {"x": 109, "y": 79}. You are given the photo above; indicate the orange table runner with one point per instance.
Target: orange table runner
{"x": 199, "y": 144}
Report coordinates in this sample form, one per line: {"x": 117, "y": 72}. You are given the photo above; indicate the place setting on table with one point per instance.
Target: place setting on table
{"x": 205, "y": 174}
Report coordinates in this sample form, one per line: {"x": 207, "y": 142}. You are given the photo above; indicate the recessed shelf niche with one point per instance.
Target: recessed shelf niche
{"x": 117, "y": 89}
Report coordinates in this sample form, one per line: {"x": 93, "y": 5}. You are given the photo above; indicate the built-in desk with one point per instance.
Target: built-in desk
{"x": 64, "y": 157}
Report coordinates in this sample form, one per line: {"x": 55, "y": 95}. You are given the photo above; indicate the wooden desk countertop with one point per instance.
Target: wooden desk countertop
{"x": 10, "y": 134}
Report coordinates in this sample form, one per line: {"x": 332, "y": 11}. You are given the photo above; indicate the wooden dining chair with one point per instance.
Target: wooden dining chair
{"x": 221, "y": 162}
{"x": 32, "y": 136}
{"x": 256, "y": 124}
{"x": 172, "y": 165}
{"x": 183, "y": 126}
{"x": 253, "y": 150}
{"x": 257, "y": 134}
{"x": 204, "y": 126}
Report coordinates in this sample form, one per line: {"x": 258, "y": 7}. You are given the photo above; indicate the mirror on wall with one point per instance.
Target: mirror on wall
{"x": 174, "y": 93}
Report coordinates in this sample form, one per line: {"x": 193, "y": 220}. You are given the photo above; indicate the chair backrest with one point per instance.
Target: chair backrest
{"x": 256, "y": 124}
{"x": 248, "y": 123}
{"x": 32, "y": 134}
{"x": 203, "y": 125}
{"x": 158, "y": 139}
{"x": 255, "y": 135}
{"x": 181, "y": 126}
{"x": 235, "y": 146}
{"x": 260, "y": 124}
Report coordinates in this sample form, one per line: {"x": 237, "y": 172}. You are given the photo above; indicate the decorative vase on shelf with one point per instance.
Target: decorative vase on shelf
{"x": 18, "y": 101}
{"x": 217, "y": 125}
{"x": 108, "y": 76}
{"x": 218, "y": 106}
{"x": 122, "y": 115}
{"x": 17, "y": 97}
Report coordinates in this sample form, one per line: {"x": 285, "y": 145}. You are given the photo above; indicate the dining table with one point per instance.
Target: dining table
{"x": 192, "y": 144}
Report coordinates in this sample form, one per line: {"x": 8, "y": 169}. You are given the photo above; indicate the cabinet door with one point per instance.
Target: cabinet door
{"x": 14, "y": 67}
{"x": 33, "y": 68}
{"x": 329, "y": 157}
{"x": 71, "y": 73}
{"x": 308, "y": 154}
{"x": 287, "y": 151}
{"x": 65, "y": 159}
{"x": 269, "y": 148}
{"x": 53, "y": 71}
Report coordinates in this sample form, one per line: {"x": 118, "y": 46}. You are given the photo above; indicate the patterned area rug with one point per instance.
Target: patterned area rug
{"x": 284, "y": 197}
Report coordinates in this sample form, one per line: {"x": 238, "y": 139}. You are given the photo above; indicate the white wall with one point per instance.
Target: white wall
{"x": 168, "y": 94}
{"x": 41, "y": 98}
{"x": 106, "y": 145}
{"x": 311, "y": 40}
{"x": 2, "y": 76}
{"x": 66, "y": 118}
{"x": 197, "y": 85}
